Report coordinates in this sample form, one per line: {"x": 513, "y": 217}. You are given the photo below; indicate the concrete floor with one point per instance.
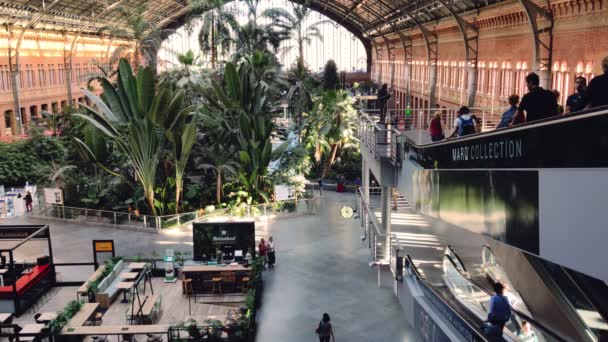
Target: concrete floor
{"x": 321, "y": 267}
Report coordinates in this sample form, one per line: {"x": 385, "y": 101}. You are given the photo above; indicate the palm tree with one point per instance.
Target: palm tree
{"x": 187, "y": 60}
{"x": 301, "y": 88}
{"x": 144, "y": 37}
{"x": 217, "y": 29}
{"x": 291, "y": 26}
{"x": 332, "y": 126}
{"x": 123, "y": 116}
{"x": 54, "y": 173}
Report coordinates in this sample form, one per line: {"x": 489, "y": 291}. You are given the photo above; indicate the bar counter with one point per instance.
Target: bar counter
{"x": 202, "y": 276}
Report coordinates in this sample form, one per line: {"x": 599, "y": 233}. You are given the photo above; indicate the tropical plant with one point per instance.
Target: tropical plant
{"x": 331, "y": 81}
{"x": 331, "y": 126}
{"x": 187, "y": 60}
{"x": 125, "y": 117}
{"x": 179, "y": 126}
{"x": 217, "y": 29}
{"x": 245, "y": 101}
{"x": 302, "y": 85}
{"x": 292, "y": 26}
{"x": 54, "y": 173}
{"x": 144, "y": 38}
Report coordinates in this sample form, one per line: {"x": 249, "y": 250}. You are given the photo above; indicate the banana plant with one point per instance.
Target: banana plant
{"x": 124, "y": 116}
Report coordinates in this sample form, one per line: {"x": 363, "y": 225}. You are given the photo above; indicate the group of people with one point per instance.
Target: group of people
{"x": 537, "y": 104}
{"x": 266, "y": 252}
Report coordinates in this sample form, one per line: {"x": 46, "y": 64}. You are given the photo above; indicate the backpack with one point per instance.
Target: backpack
{"x": 467, "y": 126}
{"x": 502, "y": 316}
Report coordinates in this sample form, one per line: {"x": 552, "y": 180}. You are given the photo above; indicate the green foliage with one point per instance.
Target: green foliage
{"x": 18, "y": 164}
{"x": 92, "y": 285}
{"x": 331, "y": 81}
{"x": 70, "y": 310}
{"x": 218, "y": 27}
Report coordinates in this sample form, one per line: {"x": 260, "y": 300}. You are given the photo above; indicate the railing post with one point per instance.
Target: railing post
{"x": 158, "y": 224}
{"x": 145, "y": 223}
{"x": 114, "y": 217}
{"x": 86, "y": 214}
{"x": 129, "y": 218}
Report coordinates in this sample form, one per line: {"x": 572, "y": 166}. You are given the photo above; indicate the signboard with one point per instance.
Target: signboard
{"x": 284, "y": 192}
{"x": 53, "y": 196}
{"x": 209, "y": 238}
{"x": 104, "y": 246}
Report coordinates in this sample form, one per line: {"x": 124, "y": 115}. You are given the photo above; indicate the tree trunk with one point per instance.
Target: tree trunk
{"x": 150, "y": 200}
{"x": 218, "y": 189}
{"x": 330, "y": 161}
{"x": 318, "y": 153}
{"x": 213, "y": 47}
{"x": 178, "y": 191}
{"x": 300, "y": 48}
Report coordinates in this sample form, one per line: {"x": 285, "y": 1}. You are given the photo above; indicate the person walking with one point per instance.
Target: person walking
{"x": 538, "y": 103}
{"x": 507, "y": 116}
{"x": 262, "y": 252}
{"x": 499, "y": 313}
{"x": 598, "y": 88}
{"x": 321, "y": 185}
{"x": 28, "y": 202}
{"x": 270, "y": 252}
{"x": 435, "y": 128}
{"x": 325, "y": 330}
{"x": 464, "y": 123}
{"x": 578, "y": 101}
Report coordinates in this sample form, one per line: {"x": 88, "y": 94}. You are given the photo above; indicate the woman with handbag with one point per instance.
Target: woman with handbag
{"x": 325, "y": 329}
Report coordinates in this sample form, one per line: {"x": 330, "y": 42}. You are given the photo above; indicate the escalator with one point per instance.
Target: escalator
{"x": 465, "y": 304}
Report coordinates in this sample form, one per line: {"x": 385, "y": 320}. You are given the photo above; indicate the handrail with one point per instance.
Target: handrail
{"x": 409, "y": 262}
{"x": 519, "y": 313}
{"x": 542, "y": 122}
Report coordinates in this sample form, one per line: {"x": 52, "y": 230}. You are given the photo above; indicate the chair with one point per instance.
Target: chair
{"x": 154, "y": 338}
{"x": 244, "y": 284}
{"x": 36, "y": 316}
{"x": 217, "y": 285}
{"x": 229, "y": 279}
{"x": 97, "y": 319}
{"x": 187, "y": 286}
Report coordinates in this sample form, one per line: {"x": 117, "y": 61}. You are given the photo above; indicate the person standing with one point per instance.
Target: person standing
{"x": 464, "y": 123}
{"x": 383, "y": 97}
{"x": 270, "y": 252}
{"x": 28, "y": 202}
{"x": 435, "y": 128}
{"x": 598, "y": 88}
{"x": 499, "y": 313}
{"x": 538, "y": 103}
{"x": 578, "y": 101}
{"x": 262, "y": 252}
{"x": 325, "y": 329}
{"x": 321, "y": 185}
{"x": 560, "y": 108}
{"x": 507, "y": 116}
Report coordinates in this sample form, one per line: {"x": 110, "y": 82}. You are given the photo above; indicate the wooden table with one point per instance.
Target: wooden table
{"x": 47, "y": 316}
{"x": 137, "y": 266}
{"x": 30, "y": 329}
{"x": 117, "y": 330}
{"x": 125, "y": 286}
{"x": 215, "y": 268}
{"x": 128, "y": 275}
{"x": 5, "y": 316}
{"x": 80, "y": 318}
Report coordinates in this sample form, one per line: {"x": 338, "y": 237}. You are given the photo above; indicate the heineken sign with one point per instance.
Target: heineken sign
{"x": 209, "y": 238}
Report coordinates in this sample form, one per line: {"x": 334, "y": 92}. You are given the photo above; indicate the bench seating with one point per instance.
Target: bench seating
{"x": 149, "y": 310}
{"x": 83, "y": 290}
{"x": 107, "y": 287}
{"x": 26, "y": 281}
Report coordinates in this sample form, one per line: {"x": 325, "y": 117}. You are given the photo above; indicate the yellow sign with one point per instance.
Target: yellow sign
{"x": 103, "y": 246}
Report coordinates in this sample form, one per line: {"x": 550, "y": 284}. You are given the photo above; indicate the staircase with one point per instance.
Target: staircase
{"x": 375, "y": 200}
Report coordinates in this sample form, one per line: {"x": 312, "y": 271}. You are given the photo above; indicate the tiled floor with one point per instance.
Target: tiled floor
{"x": 321, "y": 267}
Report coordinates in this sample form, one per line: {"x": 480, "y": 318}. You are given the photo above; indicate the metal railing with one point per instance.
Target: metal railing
{"x": 304, "y": 206}
{"x": 383, "y": 142}
{"x": 421, "y": 117}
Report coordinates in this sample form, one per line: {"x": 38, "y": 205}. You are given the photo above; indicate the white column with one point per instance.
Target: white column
{"x": 386, "y": 219}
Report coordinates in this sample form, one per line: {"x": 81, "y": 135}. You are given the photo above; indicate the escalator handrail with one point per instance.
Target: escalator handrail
{"x": 517, "y": 312}
{"x": 542, "y": 122}
{"x": 458, "y": 258}
{"x": 420, "y": 278}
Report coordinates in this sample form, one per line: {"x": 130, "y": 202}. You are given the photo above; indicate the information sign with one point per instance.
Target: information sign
{"x": 53, "y": 196}
{"x": 284, "y": 192}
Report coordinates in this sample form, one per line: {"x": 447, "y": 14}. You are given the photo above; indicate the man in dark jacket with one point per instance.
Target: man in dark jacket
{"x": 538, "y": 103}
{"x": 383, "y": 97}
{"x": 598, "y": 88}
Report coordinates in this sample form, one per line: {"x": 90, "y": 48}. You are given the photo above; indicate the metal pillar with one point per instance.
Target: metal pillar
{"x": 430, "y": 40}
{"x": 470, "y": 36}
{"x": 386, "y": 219}
{"x": 541, "y": 23}
{"x": 13, "y": 64}
{"x": 365, "y": 180}
{"x": 67, "y": 62}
